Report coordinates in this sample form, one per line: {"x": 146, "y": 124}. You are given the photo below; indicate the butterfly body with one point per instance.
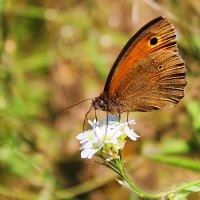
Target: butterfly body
{"x": 148, "y": 74}
{"x": 102, "y": 102}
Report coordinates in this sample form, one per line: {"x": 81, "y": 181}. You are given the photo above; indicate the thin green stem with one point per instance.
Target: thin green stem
{"x": 113, "y": 168}
{"x": 134, "y": 187}
{"x": 111, "y": 164}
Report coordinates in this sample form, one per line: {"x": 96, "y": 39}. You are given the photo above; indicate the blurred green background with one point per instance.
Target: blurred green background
{"x": 57, "y": 53}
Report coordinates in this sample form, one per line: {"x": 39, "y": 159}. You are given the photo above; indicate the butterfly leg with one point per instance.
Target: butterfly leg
{"x": 128, "y": 120}
{"x": 95, "y": 114}
{"x": 106, "y": 121}
{"x": 119, "y": 117}
{"x": 106, "y": 126}
{"x": 86, "y": 118}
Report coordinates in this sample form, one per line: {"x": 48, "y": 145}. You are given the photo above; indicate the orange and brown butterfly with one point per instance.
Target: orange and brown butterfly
{"x": 148, "y": 74}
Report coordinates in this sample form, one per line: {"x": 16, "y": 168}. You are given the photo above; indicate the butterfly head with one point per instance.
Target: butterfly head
{"x": 100, "y": 103}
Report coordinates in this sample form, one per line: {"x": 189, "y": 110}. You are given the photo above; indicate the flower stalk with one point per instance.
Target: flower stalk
{"x": 119, "y": 168}
{"x": 106, "y": 140}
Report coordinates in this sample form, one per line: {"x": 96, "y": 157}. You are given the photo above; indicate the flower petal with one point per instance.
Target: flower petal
{"x": 111, "y": 133}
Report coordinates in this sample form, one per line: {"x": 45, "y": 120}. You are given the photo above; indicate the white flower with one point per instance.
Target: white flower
{"x": 105, "y": 135}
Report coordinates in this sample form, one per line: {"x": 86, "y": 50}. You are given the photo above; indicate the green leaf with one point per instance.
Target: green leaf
{"x": 178, "y": 161}
{"x": 182, "y": 194}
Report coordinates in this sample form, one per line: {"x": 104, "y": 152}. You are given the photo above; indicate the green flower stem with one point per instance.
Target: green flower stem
{"x": 120, "y": 165}
{"x": 110, "y": 164}
{"x": 132, "y": 184}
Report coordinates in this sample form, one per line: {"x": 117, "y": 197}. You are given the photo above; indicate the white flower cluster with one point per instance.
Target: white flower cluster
{"x": 105, "y": 135}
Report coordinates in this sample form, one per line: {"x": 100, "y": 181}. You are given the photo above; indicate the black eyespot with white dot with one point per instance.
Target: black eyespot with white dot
{"x": 160, "y": 67}
{"x": 153, "y": 40}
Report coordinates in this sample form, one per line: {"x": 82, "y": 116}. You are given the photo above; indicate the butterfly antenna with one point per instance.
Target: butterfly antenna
{"x": 75, "y": 104}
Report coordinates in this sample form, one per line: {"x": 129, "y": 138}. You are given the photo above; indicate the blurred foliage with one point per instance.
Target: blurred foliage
{"x": 56, "y": 53}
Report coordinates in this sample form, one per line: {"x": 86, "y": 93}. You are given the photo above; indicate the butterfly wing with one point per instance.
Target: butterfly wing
{"x": 156, "y": 82}
{"x": 137, "y": 68}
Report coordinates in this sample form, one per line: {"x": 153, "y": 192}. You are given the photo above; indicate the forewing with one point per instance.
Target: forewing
{"x": 156, "y": 35}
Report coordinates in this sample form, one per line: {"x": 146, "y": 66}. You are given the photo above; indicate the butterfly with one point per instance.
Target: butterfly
{"x": 148, "y": 74}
